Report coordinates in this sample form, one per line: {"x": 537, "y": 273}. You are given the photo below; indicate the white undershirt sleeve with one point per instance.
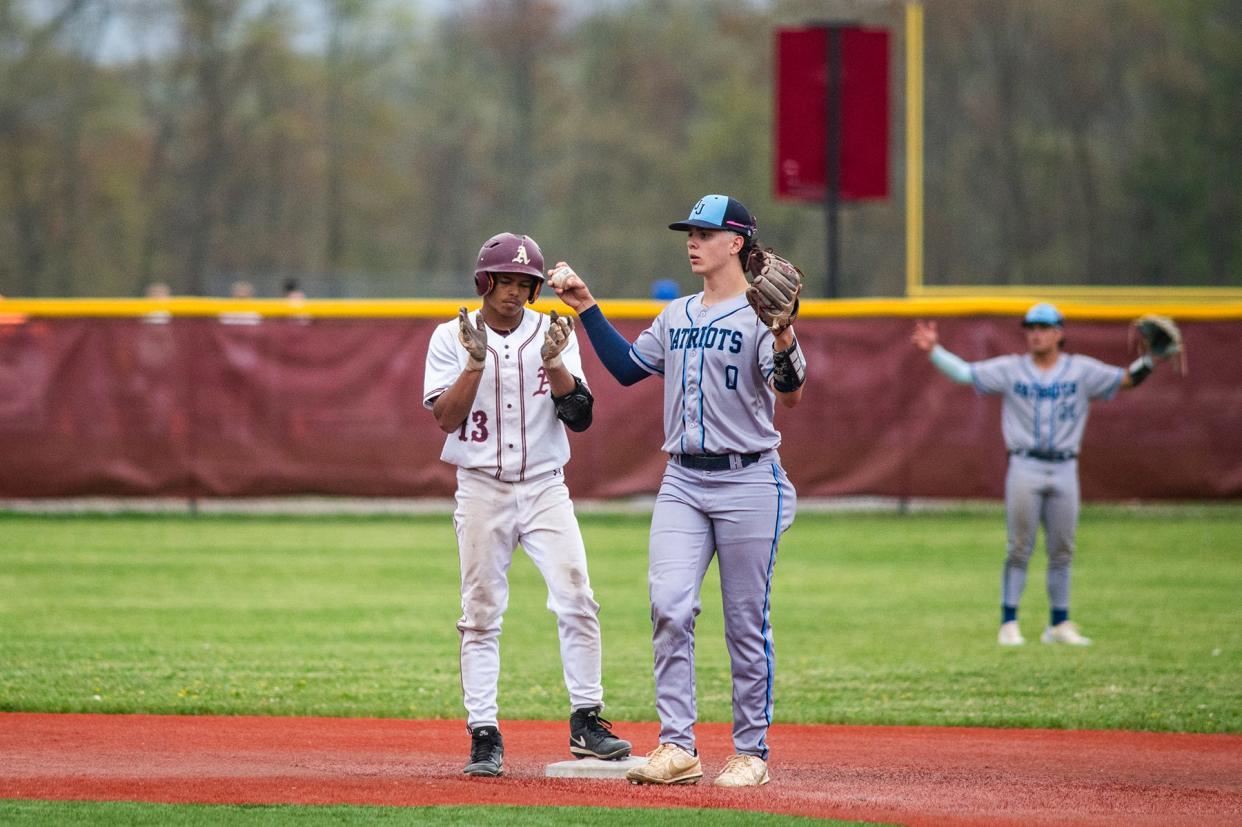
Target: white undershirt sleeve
{"x": 952, "y": 366}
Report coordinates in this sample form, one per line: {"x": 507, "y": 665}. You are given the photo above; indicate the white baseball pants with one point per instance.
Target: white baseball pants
{"x": 491, "y": 518}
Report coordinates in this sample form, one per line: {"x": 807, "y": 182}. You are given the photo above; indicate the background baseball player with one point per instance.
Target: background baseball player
{"x": 503, "y": 383}
{"x": 1046, "y": 395}
{"x": 726, "y": 355}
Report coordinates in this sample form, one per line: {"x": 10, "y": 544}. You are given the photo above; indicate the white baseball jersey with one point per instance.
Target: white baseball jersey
{"x": 1045, "y": 410}
{"x": 512, "y": 431}
{"x": 715, "y": 362}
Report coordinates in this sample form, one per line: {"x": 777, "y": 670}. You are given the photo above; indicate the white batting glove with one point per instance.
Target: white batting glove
{"x": 557, "y": 337}
{"x": 473, "y": 338}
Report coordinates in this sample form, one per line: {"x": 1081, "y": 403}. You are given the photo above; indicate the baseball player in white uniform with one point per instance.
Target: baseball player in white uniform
{"x": 503, "y": 383}
{"x": 1046, "y": 396}
{"x": 724, "y": 493}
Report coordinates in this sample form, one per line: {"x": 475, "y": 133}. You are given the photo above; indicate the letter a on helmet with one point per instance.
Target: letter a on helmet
{"x": 509, "y": 253}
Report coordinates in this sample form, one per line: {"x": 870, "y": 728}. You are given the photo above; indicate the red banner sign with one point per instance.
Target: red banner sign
{"x": 801, "y": 139}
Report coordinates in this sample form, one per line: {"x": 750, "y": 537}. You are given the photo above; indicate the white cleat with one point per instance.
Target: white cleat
{"x": 743, "y": 771}
{"x": 1010, "y": 634}
{"x": 668, "y": 764}
{"x": 1064, "y": 632}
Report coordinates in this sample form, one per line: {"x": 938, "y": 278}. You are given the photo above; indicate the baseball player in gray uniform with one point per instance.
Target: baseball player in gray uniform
{"x": 1046, "y": 395}
{"x": 724, "y": 493}
{"x": 504, "y": 384}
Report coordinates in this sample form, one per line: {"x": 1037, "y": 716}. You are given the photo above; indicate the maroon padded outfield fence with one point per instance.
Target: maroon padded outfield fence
{"x": 237, "y": 405}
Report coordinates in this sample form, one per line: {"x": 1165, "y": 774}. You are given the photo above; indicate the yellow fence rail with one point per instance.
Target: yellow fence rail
{"x": 15, "y": 311}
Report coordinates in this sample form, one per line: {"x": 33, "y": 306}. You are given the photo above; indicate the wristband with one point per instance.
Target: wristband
{"x": 1140, "y": 369}
{"x": 474, "y": 364}
{"x": 553, "y": 363}
{"x": 788, "y": 368}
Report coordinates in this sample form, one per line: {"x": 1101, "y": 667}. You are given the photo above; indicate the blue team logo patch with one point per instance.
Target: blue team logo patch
{"x": 710, "y": 208}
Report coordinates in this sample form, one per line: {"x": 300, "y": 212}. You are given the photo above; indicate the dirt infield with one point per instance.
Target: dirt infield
{"x": 908, "y": 775}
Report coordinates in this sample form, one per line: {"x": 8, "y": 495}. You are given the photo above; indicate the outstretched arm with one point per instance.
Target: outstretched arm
{"x": 610, "y": 346}
{"x": 1138, "y": 370}
{"x": 926, "y": 338}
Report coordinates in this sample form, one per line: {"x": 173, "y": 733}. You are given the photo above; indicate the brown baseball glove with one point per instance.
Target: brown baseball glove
{"x": 1160, "y": 335}
{"x": 774, "y": 288}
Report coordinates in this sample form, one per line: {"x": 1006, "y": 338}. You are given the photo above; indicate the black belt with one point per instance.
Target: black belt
{"x": 1046, "y": 456}
{"x": 713, "y": 462}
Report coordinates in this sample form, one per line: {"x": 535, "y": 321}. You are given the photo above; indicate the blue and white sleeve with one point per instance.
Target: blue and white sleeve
{"x": 951, "y": 365}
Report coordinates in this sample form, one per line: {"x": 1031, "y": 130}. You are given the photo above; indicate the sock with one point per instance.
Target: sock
{"x": 1009, "y": 613}
{"x": 1059, "y": 616}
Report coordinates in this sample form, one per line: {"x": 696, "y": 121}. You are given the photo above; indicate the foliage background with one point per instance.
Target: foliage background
{"x": 367, "y": 148}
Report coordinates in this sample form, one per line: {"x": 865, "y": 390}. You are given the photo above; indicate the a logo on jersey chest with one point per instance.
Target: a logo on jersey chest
{"x": 1057, "y": 390}
{"x": 707, "y": 338}
{"x": 545, "y": 384}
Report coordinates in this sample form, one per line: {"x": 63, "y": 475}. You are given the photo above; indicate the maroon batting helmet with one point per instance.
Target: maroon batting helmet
{"x": 509, "y": 253}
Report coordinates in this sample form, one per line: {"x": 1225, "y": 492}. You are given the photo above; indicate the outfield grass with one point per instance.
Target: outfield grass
{"x": 879, "y": 619}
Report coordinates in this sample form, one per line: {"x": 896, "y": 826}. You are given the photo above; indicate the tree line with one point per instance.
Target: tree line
{"x": 368, "y": 147}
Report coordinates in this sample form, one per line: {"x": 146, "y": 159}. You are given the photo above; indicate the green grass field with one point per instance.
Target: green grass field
{"x": 128, "y": 814}
{"x": 879, "y": 619}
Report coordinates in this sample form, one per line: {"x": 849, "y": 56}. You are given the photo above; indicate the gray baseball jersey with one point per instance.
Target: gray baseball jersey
{"x": 716, "y": 362}
{"x": 1045, "y": 410}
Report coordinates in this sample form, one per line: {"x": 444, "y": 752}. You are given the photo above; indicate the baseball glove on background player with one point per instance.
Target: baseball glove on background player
{"x": 1161, "y": 337}
{"x": 774, "y": 288}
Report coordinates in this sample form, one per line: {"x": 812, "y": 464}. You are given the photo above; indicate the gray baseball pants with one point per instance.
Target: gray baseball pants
{"x": 1037, "y": 491}
{"x": 736, "y": 516}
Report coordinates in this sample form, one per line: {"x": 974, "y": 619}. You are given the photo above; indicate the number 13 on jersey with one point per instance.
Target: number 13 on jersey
{"x": 479, "y": 432}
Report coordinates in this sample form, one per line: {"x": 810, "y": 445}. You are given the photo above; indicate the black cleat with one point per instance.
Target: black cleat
{"x": 590, "y": 736}
{"x": 487, "y": 752}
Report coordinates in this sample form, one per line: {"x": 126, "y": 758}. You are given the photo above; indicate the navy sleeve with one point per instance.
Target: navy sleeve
{"x": 611, "y": 347}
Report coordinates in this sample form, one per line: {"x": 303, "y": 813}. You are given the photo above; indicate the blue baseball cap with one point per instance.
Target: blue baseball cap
{"x": 719, "y": 212}
{"x": 1043, "y": 313}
